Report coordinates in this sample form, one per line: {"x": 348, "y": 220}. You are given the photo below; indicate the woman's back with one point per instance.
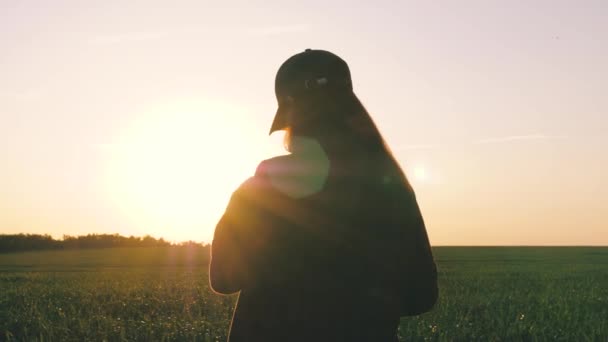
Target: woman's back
{"x": 306, "y": 265}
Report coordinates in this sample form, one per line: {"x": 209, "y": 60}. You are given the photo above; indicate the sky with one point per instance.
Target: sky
{"x": 141, "y": 117}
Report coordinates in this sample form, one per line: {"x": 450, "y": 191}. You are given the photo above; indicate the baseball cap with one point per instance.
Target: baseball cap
{"x": 306, "y": 74}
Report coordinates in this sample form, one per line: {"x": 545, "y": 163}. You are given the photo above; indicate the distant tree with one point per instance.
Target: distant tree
{"x": 26, "y": 242}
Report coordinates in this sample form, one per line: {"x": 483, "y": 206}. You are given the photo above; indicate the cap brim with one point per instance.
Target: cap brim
{"x": 278, "y": 123}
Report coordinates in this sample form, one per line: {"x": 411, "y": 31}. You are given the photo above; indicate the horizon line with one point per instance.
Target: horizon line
{"x": 209, "y": 242}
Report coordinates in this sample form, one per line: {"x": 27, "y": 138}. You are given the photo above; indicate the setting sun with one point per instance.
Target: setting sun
{"x": 173, "y": 169}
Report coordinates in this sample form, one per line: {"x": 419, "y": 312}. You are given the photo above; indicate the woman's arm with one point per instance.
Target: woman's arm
{"x": 241, "y": 239}
{"x": 227, "y": 267}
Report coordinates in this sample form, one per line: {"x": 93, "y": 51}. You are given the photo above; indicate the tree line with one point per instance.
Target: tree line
{"x": 31, "y": 242}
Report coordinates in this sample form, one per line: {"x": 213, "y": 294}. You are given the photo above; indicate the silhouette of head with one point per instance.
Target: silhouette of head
{"x": 316, "y": 101}
{"x": 304, "y": 81}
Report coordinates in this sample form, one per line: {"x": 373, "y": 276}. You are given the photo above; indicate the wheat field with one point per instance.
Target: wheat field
{"x": 162, "y": 294}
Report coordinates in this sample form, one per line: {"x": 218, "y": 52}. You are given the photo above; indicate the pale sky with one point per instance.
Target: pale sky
{"x": 141, "y": 117}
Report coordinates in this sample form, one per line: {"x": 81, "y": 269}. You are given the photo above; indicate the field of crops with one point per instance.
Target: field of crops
{"x": 501, "y": 293}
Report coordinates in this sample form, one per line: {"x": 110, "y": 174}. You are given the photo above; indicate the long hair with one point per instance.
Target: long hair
{"x": 347, "y": 132}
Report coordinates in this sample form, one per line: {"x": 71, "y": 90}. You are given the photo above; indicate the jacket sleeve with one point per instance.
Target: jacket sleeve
{"x": 231, "y": 249}
{"x": 240, "y": 241}
{"x": 227, "y": 266}
{"x": 403, "y": 253}
{"x": 419, "y": 278}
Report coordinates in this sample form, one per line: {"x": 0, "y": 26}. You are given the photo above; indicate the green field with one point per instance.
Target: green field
{"x": 486, "y": 293}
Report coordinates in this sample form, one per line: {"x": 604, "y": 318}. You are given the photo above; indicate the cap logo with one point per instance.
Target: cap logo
{"x": 319, "y": 83}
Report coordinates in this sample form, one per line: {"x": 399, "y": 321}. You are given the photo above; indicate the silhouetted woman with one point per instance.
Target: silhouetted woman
{"x": 326, "y": 243}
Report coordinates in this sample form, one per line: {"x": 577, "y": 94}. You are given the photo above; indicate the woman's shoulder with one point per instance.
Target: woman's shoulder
{"x": 260, "y": 180}
{"x": 293, "y": 175}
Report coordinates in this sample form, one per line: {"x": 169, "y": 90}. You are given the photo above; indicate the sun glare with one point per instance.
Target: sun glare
{"x": 420, "y": 174}
{"x": 173, "y": 170}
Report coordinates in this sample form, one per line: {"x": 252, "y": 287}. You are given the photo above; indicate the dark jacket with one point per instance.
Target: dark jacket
{"x": 320, "y": 257}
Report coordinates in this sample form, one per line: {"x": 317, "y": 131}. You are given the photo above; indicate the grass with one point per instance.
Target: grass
{"x": 486, "y": 294}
